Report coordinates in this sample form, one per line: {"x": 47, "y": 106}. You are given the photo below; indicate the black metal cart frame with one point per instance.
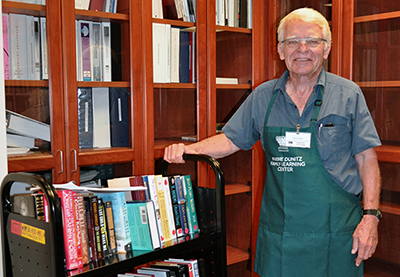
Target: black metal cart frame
{"x": 24, "y": 256}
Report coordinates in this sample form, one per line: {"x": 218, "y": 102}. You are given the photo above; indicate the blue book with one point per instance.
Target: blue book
{"x": 85, "y": 118}
{"x": 180, "y": 196}
{"x": 121, "y": 222}
{"x": 190, "y": 205}
{"x": 119, "y": 120}
{"x": 184, "y": 57}
{"x": 139, "y": 225}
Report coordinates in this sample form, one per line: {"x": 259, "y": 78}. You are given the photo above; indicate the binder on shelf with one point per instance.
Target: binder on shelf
{"x": 95, "y": 54}
{"x": 85, "y": 118}
{"x": 85, "y": 28}
{"x": 101, "y": 117}
{"x": 43, "y": 40}
{"x": 20, "y": 141}
{"x": 119, "y": 117}
{"x": 37, "y": 49}
{"x": 18, "y": 46}
{"x": 106, "y": 51}
{"x": 23, "y": 125}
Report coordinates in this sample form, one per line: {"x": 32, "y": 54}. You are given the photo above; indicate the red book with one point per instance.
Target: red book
{"x": 77, "y": 228}
{"x": 71, "y": 252}
{"x": 83, "y": 229}
{"x": 136, "y": 181}
{"x": 96, "y": 5}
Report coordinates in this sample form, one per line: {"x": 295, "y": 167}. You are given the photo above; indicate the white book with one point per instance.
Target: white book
{"x": 174, "y": 50}
{"x": 154, "y": 271}
{"x": 79, "y": 74}
{"x": 223, "y": 80}
{"x": 178, "y": 8}
{"x": 18, "y": 47}
{"x": 249, "y": 14}
{"x": 113, "y": 7}
{"x": 37, "y": 50}
{"x": 101, "y": 117}
{"x": 106, "y": 51}
{"x": 186, "y": 15}
{"x": 106, "y": 6}
{"x": 43, "y": 40}
{"x": 192, "y": 262}
{"x": 79, "y": 4}
{"x": 154, "y": 198}
{"x": 86, "y": 4}
{"x": 170, "y": 212}
{"x": 30, "y": 45}
{"x": 159, "y": 53}
{"x": 20, "y": 141}
{"x": 157, "y": 9}
{"x": 95, "y": 51}
{"x": 221, "y": 12}
{"x": 151, "y": 215}
{"x": 23, "y": 125}
{"x": 167, "y": 52}
{"x": 231, "y": 13}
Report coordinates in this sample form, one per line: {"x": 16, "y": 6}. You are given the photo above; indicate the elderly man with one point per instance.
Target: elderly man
{"x": 319, "y": 139}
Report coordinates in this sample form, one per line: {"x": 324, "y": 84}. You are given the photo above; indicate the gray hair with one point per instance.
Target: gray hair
{"x": 307, "y": 15}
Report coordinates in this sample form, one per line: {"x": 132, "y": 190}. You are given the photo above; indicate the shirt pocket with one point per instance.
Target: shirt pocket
{"x": 334, "y": 139}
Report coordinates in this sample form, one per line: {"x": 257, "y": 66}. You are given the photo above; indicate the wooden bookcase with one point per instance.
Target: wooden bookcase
{"x": 373, "y": 38}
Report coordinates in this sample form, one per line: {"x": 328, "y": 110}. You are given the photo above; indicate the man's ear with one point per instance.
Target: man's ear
{"x": 280, "y": 51}
{"x": 326, "y": 52}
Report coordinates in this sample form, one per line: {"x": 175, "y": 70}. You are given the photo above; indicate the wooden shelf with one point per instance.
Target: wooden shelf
{"x": 239, "y": 86}
{"x": 374, "y": 17}
{"x": 175, "y": 85}
{"x": 236, "y": 255}
{"x": 36, "y": 161}
{"x": 388, "y": 153}
{"x": 100, "y": 15}
{"x": 232, "y": 29}
{"x": 373, "y": 84}
{"x": 103, "y": 84}
{"x": 26, "y": 83}
{"x": 23, "y": 8}
{"x": 391, "y": 208}
{"x": 174, "y": 22}
{"x": 236, "y": 188}
{"x": 105, "y": 155}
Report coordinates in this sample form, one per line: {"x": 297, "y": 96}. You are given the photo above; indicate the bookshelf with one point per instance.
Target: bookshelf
{"x": 374, "y": 44}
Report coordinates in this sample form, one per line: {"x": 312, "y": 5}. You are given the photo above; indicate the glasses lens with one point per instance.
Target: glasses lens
{"x": 310, "y": 42}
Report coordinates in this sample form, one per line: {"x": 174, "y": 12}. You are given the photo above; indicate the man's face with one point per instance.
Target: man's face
{"x": 303, "y": 61}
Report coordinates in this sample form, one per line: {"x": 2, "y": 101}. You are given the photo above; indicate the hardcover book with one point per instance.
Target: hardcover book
{"x": 110, "y": 228}
{"x": 83, "y": 229}
{"x": 85, "y": 118}
{"x": 163, "y": 209}
{"x": 175, "y": 206}
{"x": 180, "y": 195}
{"x": 190, "y": 205}
{"x": 139, "y": 225}
{"x": 154, "y": 197}
{"x": 85, "y": 33}
{"x": 119, "y": 117}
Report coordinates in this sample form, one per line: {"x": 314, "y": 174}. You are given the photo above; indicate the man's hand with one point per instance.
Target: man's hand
{"x": 174, "y": 153}
{"x": 365, "y": 238}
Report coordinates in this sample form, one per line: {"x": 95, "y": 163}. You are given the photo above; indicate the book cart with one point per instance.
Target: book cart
{"x": 35, "y": 248}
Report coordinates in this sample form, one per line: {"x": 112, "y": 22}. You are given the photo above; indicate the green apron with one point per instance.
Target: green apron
{"x": 307, "y": 219}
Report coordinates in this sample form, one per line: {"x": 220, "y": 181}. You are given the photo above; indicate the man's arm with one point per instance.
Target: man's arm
{"x": 365, "y": 237}
{"x": 217, "y": 146}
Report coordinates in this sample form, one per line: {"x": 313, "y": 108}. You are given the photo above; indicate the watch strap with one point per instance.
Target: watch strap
{"x": 375, "y": 212}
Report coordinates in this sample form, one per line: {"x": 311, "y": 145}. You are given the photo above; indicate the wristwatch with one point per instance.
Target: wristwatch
{"x": 375, "y": 212}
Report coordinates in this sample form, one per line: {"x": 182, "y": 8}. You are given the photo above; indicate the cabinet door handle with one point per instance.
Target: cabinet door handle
{"x": 62, "y": 162}
{"x": 76, "y": 161}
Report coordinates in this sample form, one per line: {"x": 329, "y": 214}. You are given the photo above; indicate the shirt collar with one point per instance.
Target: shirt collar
{"x": 280, "y": 85}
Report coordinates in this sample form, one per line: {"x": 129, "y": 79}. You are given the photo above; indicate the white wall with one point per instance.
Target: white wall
{"x": 3, "y": 143}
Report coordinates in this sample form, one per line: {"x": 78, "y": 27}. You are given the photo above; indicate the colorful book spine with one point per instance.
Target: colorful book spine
{"x": 90, "y": 227}
{"x": 139, "y": 226}
{"x": 180, "y": 195}
{"x": 110, "y": 228}
{"x": 175, "y": 206}
{"x": 154, "y": 197}
{"x": 83, "y": 229}
{"x": 170, "y": 209}
{"x": 103, "y": 228}
{"x": 96, "y": 227}
{"x": 190, "y": 205}
{"x": 71, "y": 253}
{"x": 77, "y": 228}
{"x": 96, "y": 56}
{"x": 163, "y": 208}
{"x": 85, "y": 29}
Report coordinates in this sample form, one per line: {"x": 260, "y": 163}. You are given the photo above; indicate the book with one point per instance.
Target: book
{"x": 137, "y": 181}
{"x": 90, "y": 227}
{"x": 20, "y": 141}
{"x": 119, "y": 117}
{"x": 101, "y": 117}
{"x": 96, "y": 5}
{"x": 37, "y": 50}
{"x": 139, "y": 225}
{"x": 85, "y": 28}
{"x": 43, "y": 44}
{"x": 85, "y": 118}
{"x": 18, "y": 47}
{"x": 163, "y": 209}
{"x": 190, "y": 205}
{"x": 184, "y": 57}
{"x": 30, "y": 46}
{"x": 170, "y": 208}
{"x": 6, "y": 53}
{"x": 175, "y": 206}
{"x": 103, "y": 228}
{"x": 23, "y": 125}
{"x": 95, "y": 51}
{"x": 161, "y": 52}
{"x": 154, "y": 198}
{"x": 157, "y": 9}
{"x": 192, "y": 263}
{"x": 145, "y": 180}
{"x": 225, "y": 80}
{"x": 94, "y": 202}
{"x": 151, "y": 215}
{"x": 178, "y": 270}
{"x": 106, "y": 51}
{"x": 69, "y": 229}
{"x": 79, "y": 74}
{"x": 83, "y": 229}
{"x": 110, "y": 228}
{"x": 121, "y": 222}
{"x": 77, "y": 229}
{"x": 174, "y": 55}
{"x": 181, "y": 200}
{"x": 157, "y": 272}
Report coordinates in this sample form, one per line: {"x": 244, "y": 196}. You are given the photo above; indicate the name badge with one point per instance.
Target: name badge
{"x": 301, "y": 140}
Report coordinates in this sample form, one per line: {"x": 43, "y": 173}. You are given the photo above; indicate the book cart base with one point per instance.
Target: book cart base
{"x": 35, "y": 248}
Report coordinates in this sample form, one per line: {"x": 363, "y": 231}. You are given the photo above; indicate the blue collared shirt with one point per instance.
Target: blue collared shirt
{"x": 348, "y": 128}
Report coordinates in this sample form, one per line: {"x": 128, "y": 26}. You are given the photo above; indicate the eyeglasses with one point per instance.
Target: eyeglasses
{"x": 293, "y": 43}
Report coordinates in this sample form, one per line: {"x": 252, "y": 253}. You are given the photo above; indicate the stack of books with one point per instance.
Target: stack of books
{"x": 136, "y": 213}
